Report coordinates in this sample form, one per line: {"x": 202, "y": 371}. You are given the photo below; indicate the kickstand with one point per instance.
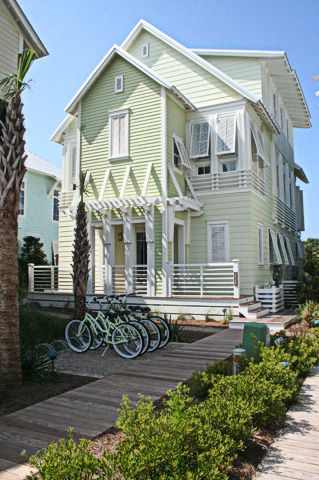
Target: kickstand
{"x": 104, "y": 351}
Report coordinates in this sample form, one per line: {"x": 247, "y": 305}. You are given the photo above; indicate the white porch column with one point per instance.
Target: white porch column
{"x": 127, "y": 237}
{"x": 107, "y": 251}
{"x": 90, "y": 287}
{"x": 187, "y": 236}
{"x": 149, "y": 234}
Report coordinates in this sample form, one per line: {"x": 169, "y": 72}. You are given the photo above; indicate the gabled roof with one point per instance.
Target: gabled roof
{"x": 284, "y": 77}
{"x": 29, "y": 34}
{"x": 144, "y": 25}
{"x": 38, "y": 164}
{"x": 116, "y": 50}
{"x": 57, "y": 134}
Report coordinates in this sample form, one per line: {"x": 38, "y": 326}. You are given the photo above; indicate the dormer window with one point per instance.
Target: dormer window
{"x": 145, "y": 50}
{"x": 118, "y": 84}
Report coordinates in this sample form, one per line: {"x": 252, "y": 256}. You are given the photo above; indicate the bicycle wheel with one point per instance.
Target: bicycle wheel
{"x": 78, "y": 336}
{"x": 163, "y": 328}
{"x": 154, "y": 334}
{"x": 127, "y": 341}
{"x": 145, "y": 336}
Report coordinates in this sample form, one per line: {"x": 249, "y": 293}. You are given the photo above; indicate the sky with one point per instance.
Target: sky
{"x": 78, "y": 33}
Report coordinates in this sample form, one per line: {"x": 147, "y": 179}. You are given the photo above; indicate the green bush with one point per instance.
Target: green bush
{"x": 200, "y": 382}
{"x": 308, "y": 312}
{"x": 304, "y": 352}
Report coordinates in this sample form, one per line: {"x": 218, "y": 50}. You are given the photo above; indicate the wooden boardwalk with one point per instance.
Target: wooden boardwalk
{"x": 92, "y": 409}
{"x": 295, "y": 454}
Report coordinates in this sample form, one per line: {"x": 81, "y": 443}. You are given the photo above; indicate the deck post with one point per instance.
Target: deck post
{"x": 201, "y": 280}
{"x": 236, "y": 278}
{"x": 149, "y": 233}
{"x": 31, "y": 277}
{"x": 90, "y": 286}
{"x": 127, "y": 237}
{"x": 107, "y": 251}
{"x": 52, "y": 278}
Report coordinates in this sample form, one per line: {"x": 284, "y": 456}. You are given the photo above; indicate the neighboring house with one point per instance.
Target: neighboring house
{"x": 16, "y": 33}
{"x": 190, "y": 167}
{"x": 39, "y": 204}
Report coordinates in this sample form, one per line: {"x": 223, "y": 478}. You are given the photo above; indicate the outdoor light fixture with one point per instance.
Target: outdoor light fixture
{"x": 237, "y": 355}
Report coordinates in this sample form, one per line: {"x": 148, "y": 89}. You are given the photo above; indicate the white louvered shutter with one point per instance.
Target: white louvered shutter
{"x": 289, "y": 250}
{"x": 115, "y": 134}
{"x": 122, "y": 135}
{"x": 276, "y": 251}
{"x": 226, "y": 135}
{"x": 182, "y": 153}
{"x": 73, "y": 163}
{"x": 218, "y": 243}
{"x": 200, "y": 140}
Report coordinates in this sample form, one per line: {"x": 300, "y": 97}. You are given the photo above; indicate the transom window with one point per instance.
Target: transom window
{"x": 56, "y": 205}
{"x": 119, "y": 134}
{"x": 22, "y": 199}
{"x": 229, "y": 166}
{"x": 119, "y": 84}
{"x": 218, "y": 241}
{"x": 203, "y": 170}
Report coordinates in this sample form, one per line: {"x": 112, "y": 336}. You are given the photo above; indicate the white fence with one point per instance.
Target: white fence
{"x": 271, "y": 298}
{"x": 204, "y": 280}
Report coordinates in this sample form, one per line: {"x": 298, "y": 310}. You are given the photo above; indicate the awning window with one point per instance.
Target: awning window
{"x": 289, "y": 250}
{"x": 276, "y": 252}
{"x": 258, "y": 142}
{"x": 283, "y": 248}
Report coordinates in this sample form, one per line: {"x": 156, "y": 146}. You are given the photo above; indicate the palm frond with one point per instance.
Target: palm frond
{"x": 14, "y": 84}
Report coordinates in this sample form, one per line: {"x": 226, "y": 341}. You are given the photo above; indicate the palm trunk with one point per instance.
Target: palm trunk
{"x": 12, "y": 169}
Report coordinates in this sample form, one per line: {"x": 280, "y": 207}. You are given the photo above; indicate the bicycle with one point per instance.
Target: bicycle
{"x": 124, "y": 337}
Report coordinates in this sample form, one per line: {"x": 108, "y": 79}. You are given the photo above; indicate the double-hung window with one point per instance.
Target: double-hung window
{"x": 226, "y": 135}
{"x": 119, "y": 132}
{"x": 56, "y": 205}
{"x": 218, "y": 242}
{"x": 22, "y": 199}
{"x": 200, "y": 139}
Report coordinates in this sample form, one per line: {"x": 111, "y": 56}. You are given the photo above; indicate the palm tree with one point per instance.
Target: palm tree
{"x": 81, "y": 252}
{"x": 12, "y": 170}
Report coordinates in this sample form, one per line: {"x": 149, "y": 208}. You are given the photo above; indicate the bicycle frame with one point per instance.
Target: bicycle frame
{"x": 106, "y": 329}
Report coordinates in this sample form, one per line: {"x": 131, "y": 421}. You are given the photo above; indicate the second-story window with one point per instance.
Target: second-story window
{"x": 229, "y": 166}
{"x": 257, "y": 151}
{"x": 226, "y": 135}
{"x": 180, "y": 157}
{"x": 119, "y": 134}
{"x": 22, "y": 199}
{"x": 200, "y": 140}
{"x": 119, "y": 84}
{"x": 55, "y": 215}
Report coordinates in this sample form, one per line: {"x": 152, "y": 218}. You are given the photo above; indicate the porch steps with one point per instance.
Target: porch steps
{"x": 252, "y": 310}
{"x": 275, "y": 323}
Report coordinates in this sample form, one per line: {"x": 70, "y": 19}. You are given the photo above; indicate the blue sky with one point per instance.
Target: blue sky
{"x": 78, "y": 33}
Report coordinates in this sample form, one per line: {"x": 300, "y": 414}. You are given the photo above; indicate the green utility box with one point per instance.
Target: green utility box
{"x": 255, "y": 335}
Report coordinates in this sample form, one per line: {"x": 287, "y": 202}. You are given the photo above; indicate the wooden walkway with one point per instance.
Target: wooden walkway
{"x": 295, "y": 454}
{"x": 92, "y": 409}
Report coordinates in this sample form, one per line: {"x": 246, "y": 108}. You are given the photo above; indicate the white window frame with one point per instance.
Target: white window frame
{"x": 184, "y": 160}
{"x": 206, "y": 154}
{"x": 24, "y": 197}
{"x": 53, "y": 198}
{"x": 119, "y": 113}
{"x": 210, "y": 225}
{"x": 232, "y": 151}
{"x": 261, "y": 256}
{"x": 274, "y": 242}
{"x": 283, "y": 248}
{"x": 145, "y": 48}
{"x": 121, "y": 88}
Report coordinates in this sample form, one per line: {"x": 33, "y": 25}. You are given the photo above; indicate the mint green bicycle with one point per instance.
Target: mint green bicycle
{"x": 124, "y": 337}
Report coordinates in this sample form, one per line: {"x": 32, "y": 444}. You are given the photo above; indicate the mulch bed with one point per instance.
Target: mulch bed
{"x": 191, "y": 336}
{"x": 29, "y": 393}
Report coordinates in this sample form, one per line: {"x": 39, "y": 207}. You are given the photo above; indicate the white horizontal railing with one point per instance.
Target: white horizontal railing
{"x": 204, "y": 279}
{"x": 45, "y": 278}
{"x": 285, "y": 216}
{"x": 243, "y": 179}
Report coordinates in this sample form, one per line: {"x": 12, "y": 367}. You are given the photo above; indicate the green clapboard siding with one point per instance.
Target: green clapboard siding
{"x": 199, "y": 85}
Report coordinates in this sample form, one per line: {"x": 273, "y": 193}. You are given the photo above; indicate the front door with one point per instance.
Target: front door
{"x": 141, "y": 248}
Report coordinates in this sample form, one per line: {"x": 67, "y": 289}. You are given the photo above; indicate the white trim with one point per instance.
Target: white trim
{"x": 191, "y": 127}
{"x": 261, "y": 256}
{"x": 147, "y": 179}
{"x": 21, "y": 41}
{"x": 164, "y": 190}
{"x": 119, "y": 89}
{"x": 233, "y": 146}
{"x": 104, "y": 184}
{"x": 190, "y": 186}
{"x": 175, "y": 182}
{"x": 125, "y": 180}
{"x": 142, "y": 24}
{"x": 237, "y": 53}
{"x": 24, "y": 189}
{"x": 54, "y": 187}
{"x": 181, "y": 151}
{"x": 215, "y": 223}
{"x": 57, "y": 134}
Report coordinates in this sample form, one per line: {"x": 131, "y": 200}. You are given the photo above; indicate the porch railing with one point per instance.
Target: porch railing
{"x": 189, "y": 280}
{"x": 244, "y": 179}
{"x": 204, "y": 279}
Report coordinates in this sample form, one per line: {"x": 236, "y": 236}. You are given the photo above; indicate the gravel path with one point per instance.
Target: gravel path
{"x": 91, "y": 364}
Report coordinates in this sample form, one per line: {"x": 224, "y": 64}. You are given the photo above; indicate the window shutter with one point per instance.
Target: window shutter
{"x": 274, "y": 243}
{"x": 283, "y": 248}
{"x": 226, "y": 135}
{"x": 289, "y": 250}
{"x": 258, "y": 141}
{"x": 218, "y": 243}
{"x": 118, "y": 135}
{"x": 182, "y": 153}
{"x": 200, "y": 139}
{"x": 73, "y": 163}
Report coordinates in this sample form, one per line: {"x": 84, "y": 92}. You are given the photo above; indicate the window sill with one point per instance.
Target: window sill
{"x": 122, "y": 157}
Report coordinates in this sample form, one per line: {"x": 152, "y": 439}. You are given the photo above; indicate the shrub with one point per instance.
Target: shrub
{"x": 309, "y": 280}
{"x": 304, "y": 352}
{"x": 308, "y": 312}
{"x": 67, "y": 460}
{"x": 200, "y": 382}
{"x": 176, "y": 331}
